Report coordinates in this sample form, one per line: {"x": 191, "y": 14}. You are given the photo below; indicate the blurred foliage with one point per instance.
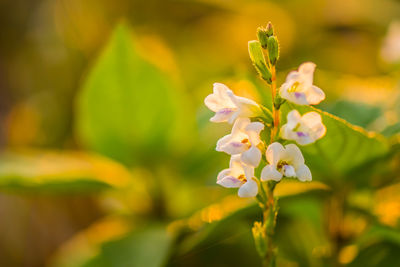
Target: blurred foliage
{"x": 128, "y": 109}
{"x": 56, "y": 172}
{"x": 101, "y": 108}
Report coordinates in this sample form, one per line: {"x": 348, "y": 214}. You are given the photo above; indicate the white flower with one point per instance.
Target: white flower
{"x": 299, "y": 87}
{"x": 228, "y": 107}
{"x": 243, "y": 140}
{"x": 304, "y": 129}
{"x": 239, "y": 176}
{"x": 285, "y": 161}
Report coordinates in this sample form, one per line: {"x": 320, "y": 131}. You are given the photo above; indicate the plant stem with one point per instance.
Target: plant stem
{"x": 269, "y": 217}
{"x": 275, "y": 111}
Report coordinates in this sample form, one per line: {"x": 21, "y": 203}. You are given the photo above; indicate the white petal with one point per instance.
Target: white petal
{"x": 248, "y": 171}
{"x": 235, "y": 160}
{"x": 306, "y": 71}
{"x": 252, "y": 156}
{"x": 283, "y": 91}
{"x": 227, "y": 180}
{"x": 246, "y": 107}
{"x": 294, "y": 153}
{"x": 294, "y": 97}
{"x": 302, "y": 138}
{"x": 270, "y": 173}
{"x": 249, "y": 189}
{"x": 311, "y": 118}
{"x": 299, "y": 98}
{"x": 256, "y": 127}
{"x": 253, "y": 130}
{"x": 315, "y": 95}
{"x": 221, "y": 90}
{"x": 293, "y": 119}
{"x": 286, "y": 132}
{"x": 213, "y": 102}
{"x": 289, "y": 171}
{"x": 234, "y": 116}
{"x": 318, "y": 131}
{"x": 303, "y": 173}
{"x": 274, "y": 153}
{"x": 239, "y": 100}
{"x": 236, "y": 166}
{"x": 240, "y": 125}
{"x": 313, "y": 121}
{"x": 219, "y": 99}
{"x": 223, "y": 115}
{"x": 230, "y": 145}
{"x": 292, "y": 77}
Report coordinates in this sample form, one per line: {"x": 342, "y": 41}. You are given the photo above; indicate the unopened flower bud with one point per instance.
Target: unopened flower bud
{"x": 269, "y": 29}
{"x": 273, "y": 49}
{"x": 262, "y": 36}
{"x": 257, "y": 57}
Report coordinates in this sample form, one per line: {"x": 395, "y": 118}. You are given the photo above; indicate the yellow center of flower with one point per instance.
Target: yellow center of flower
{"x": 296, "y": 127}
{"x": 294, "y": 87}
{"x": 281, "y": 164}
{"x": 242, "y": 178}
{"x": 246, "y": 142}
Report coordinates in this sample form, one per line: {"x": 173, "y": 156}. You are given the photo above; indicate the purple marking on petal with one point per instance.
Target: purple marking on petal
{"x": 233, "y": 180}
{"x": 236, "y": 144}
{"x": 301, "y": 134}
{"x": 298, "y": 95}
{"x": 225, "y": 111}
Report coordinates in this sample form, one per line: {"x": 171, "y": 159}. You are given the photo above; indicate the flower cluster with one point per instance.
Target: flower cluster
{"x": 247, "y": 148}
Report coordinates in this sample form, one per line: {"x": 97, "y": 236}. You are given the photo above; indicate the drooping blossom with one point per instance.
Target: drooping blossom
{"x": 298, "y": 87}
{"x": 244, "y": 141}
{"x": 285, "y": 162}
{"x": 239, "y": 175}
{"x": 228, "y": 107}
{"x": 304, "y": 129}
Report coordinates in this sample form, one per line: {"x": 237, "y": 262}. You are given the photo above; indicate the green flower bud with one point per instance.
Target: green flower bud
{"x": 262, "y": 36}
{"x": 258, "y": 59}
{"x": 273, "y": 49}
{"x": 269, "y": 29}
{"x": 260, "y": 239}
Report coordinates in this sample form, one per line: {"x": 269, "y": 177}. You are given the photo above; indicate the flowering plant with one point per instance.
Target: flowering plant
{"x": 282, "y": 157}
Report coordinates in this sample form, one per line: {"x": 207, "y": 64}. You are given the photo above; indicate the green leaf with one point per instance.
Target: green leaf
{"x": 356, "y": 113}
{"x": 115, "y": 241}
{"x": 57, "y": 172}
{"x": 217, "y": 221}
{"x": 343, "y": 148}
{"x": 378, "y": 254}
{"x": 142, "y": 247}
{"x": 127, "y": 108}
{"x": 391, "y": 130}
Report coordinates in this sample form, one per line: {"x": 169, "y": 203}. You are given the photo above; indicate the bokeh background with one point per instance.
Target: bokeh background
{"x": 108, "y": 156}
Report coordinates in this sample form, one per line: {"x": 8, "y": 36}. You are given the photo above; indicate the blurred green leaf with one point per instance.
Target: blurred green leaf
{"x": 344, "y": 147}
{"x": 391, "y": 130}
{"x": 355, "y": 113}
{"x": 115, "y": 241}
{"x": 378, "y": 254}
{"x": 142, "y": 247}
{"x": 217, "y": 221}
{"x": 56, "y": 172}
{"x": 128, "y": 109}
{"x": 300, "y": 232}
